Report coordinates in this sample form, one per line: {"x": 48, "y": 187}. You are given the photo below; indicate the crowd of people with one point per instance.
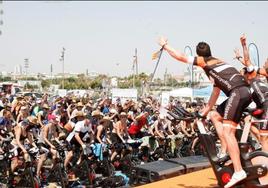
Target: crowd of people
{"x": 81, "y": 121}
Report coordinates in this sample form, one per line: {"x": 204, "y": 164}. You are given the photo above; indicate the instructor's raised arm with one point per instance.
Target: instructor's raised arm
{"x": 174, "y": 53}
{"x": 247, "y": 61}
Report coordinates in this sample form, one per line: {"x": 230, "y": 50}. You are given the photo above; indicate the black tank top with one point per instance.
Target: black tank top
{"x": 22, "y": 137}
{"x": 223, "y": 75}
{"x": 103, "y": 134}
{"x": 260, "y": 91}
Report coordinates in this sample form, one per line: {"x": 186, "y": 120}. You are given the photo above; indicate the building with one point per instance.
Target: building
{"x": 199, "y": 76}
{"x": 22, "y": 83}
{"x": 18, "y": 70}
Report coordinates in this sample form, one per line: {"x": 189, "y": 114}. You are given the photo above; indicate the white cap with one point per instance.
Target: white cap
{"x": 58, "y": 118}
{"x": 113, "y": 111}
{"x": 23, "y": 108}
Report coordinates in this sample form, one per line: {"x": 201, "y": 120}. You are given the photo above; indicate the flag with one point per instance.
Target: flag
{"x": 156, "y": 55}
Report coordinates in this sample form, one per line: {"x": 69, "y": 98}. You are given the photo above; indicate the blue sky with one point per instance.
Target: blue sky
{"x": 102, "y": 36}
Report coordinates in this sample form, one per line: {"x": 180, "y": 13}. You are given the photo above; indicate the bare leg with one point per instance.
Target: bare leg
{"x": 264, "y": 143}
{"x": 113, "y": 155}
{"x": 40, "y": 164}
{"x": 255, "y": 132}
{"x": 194, "y": 143}
{"x": 14, "y": 164}
{"x": 232, "y": 146}
{"x": 54, "y": 155}
{"x": 216, "y": 119}
{"x": 68, "y": 159}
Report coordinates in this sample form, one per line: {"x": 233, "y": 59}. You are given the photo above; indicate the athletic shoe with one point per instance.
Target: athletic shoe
{"x": 236, "y": 178}
{"x": 221, "y": 155}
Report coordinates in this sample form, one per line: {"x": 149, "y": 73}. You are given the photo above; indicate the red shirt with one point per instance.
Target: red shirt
{"x": 135, "y": 128}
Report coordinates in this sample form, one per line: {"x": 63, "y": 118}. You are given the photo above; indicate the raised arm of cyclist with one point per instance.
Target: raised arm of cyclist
{"x": 174, "y": 53}
{"x": 246, "y": 60}
{"x": 183, "y": 58}
{"x": 238, "y": 56}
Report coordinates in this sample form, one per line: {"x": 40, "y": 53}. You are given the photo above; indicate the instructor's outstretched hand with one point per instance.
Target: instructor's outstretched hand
{"x": 162, "y": 41}
{"x": 237, "y": 53}
{"x": 243, "y": 40}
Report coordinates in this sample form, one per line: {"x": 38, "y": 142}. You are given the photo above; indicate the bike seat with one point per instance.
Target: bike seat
{"x": 257, "y": 112}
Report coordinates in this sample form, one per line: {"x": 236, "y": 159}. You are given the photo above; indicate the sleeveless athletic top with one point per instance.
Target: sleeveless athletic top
{"x": 224, "y": 76}
{"x": 102, "y": 136}
{"x": 259, "y": 88}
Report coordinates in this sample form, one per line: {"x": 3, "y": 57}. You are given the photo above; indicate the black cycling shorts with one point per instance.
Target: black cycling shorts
{"x": 232, "y": 108}
{"x": 264, "y": 125}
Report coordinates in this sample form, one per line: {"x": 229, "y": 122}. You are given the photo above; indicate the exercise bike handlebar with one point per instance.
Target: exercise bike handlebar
{"x": 175, "y": 116}
{"x": 179, "y": 118}
{"x": 256, "y": 154}
{"x": 182, "y": 114}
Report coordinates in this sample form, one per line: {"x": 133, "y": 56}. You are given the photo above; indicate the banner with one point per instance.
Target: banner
{"x": 62, "y": 92}
{"x": 165, "y": 99}
{"x": 124, "y": 94}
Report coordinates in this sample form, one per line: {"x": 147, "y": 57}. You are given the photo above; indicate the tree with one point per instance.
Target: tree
{"x": 5, "y": 79}
{"x": 71, "y": 79}
{"x": 96, "y": 84}
{"x": 45, "y": 83}
{"x": 30, "y": 87}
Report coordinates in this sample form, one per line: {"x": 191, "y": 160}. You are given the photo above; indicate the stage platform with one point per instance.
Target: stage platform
{"x": 199, "y": 179}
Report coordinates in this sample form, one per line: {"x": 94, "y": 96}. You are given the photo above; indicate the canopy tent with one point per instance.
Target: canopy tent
{"x": 189, "y": 92}
{"x": 205, "y": 92}
{"x": 193, "y": 93}
{"x": 182, "y": 92}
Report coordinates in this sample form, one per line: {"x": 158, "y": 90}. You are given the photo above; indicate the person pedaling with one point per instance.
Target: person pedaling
{"x": 22, "y": 133}
{"x": 49, "y": 133}
{"x": 227, "y": 79}
{"x": 259, "y": 91}
{"x": 81, "y": 135}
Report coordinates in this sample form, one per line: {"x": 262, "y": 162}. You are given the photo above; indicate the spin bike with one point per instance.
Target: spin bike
{"x": 222, "y": 170}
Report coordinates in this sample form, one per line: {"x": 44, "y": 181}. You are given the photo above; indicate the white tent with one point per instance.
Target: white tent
{"x": 219, "y": 100}
{"x": 189, "y": 93}
{"x": 182, "y": 92}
